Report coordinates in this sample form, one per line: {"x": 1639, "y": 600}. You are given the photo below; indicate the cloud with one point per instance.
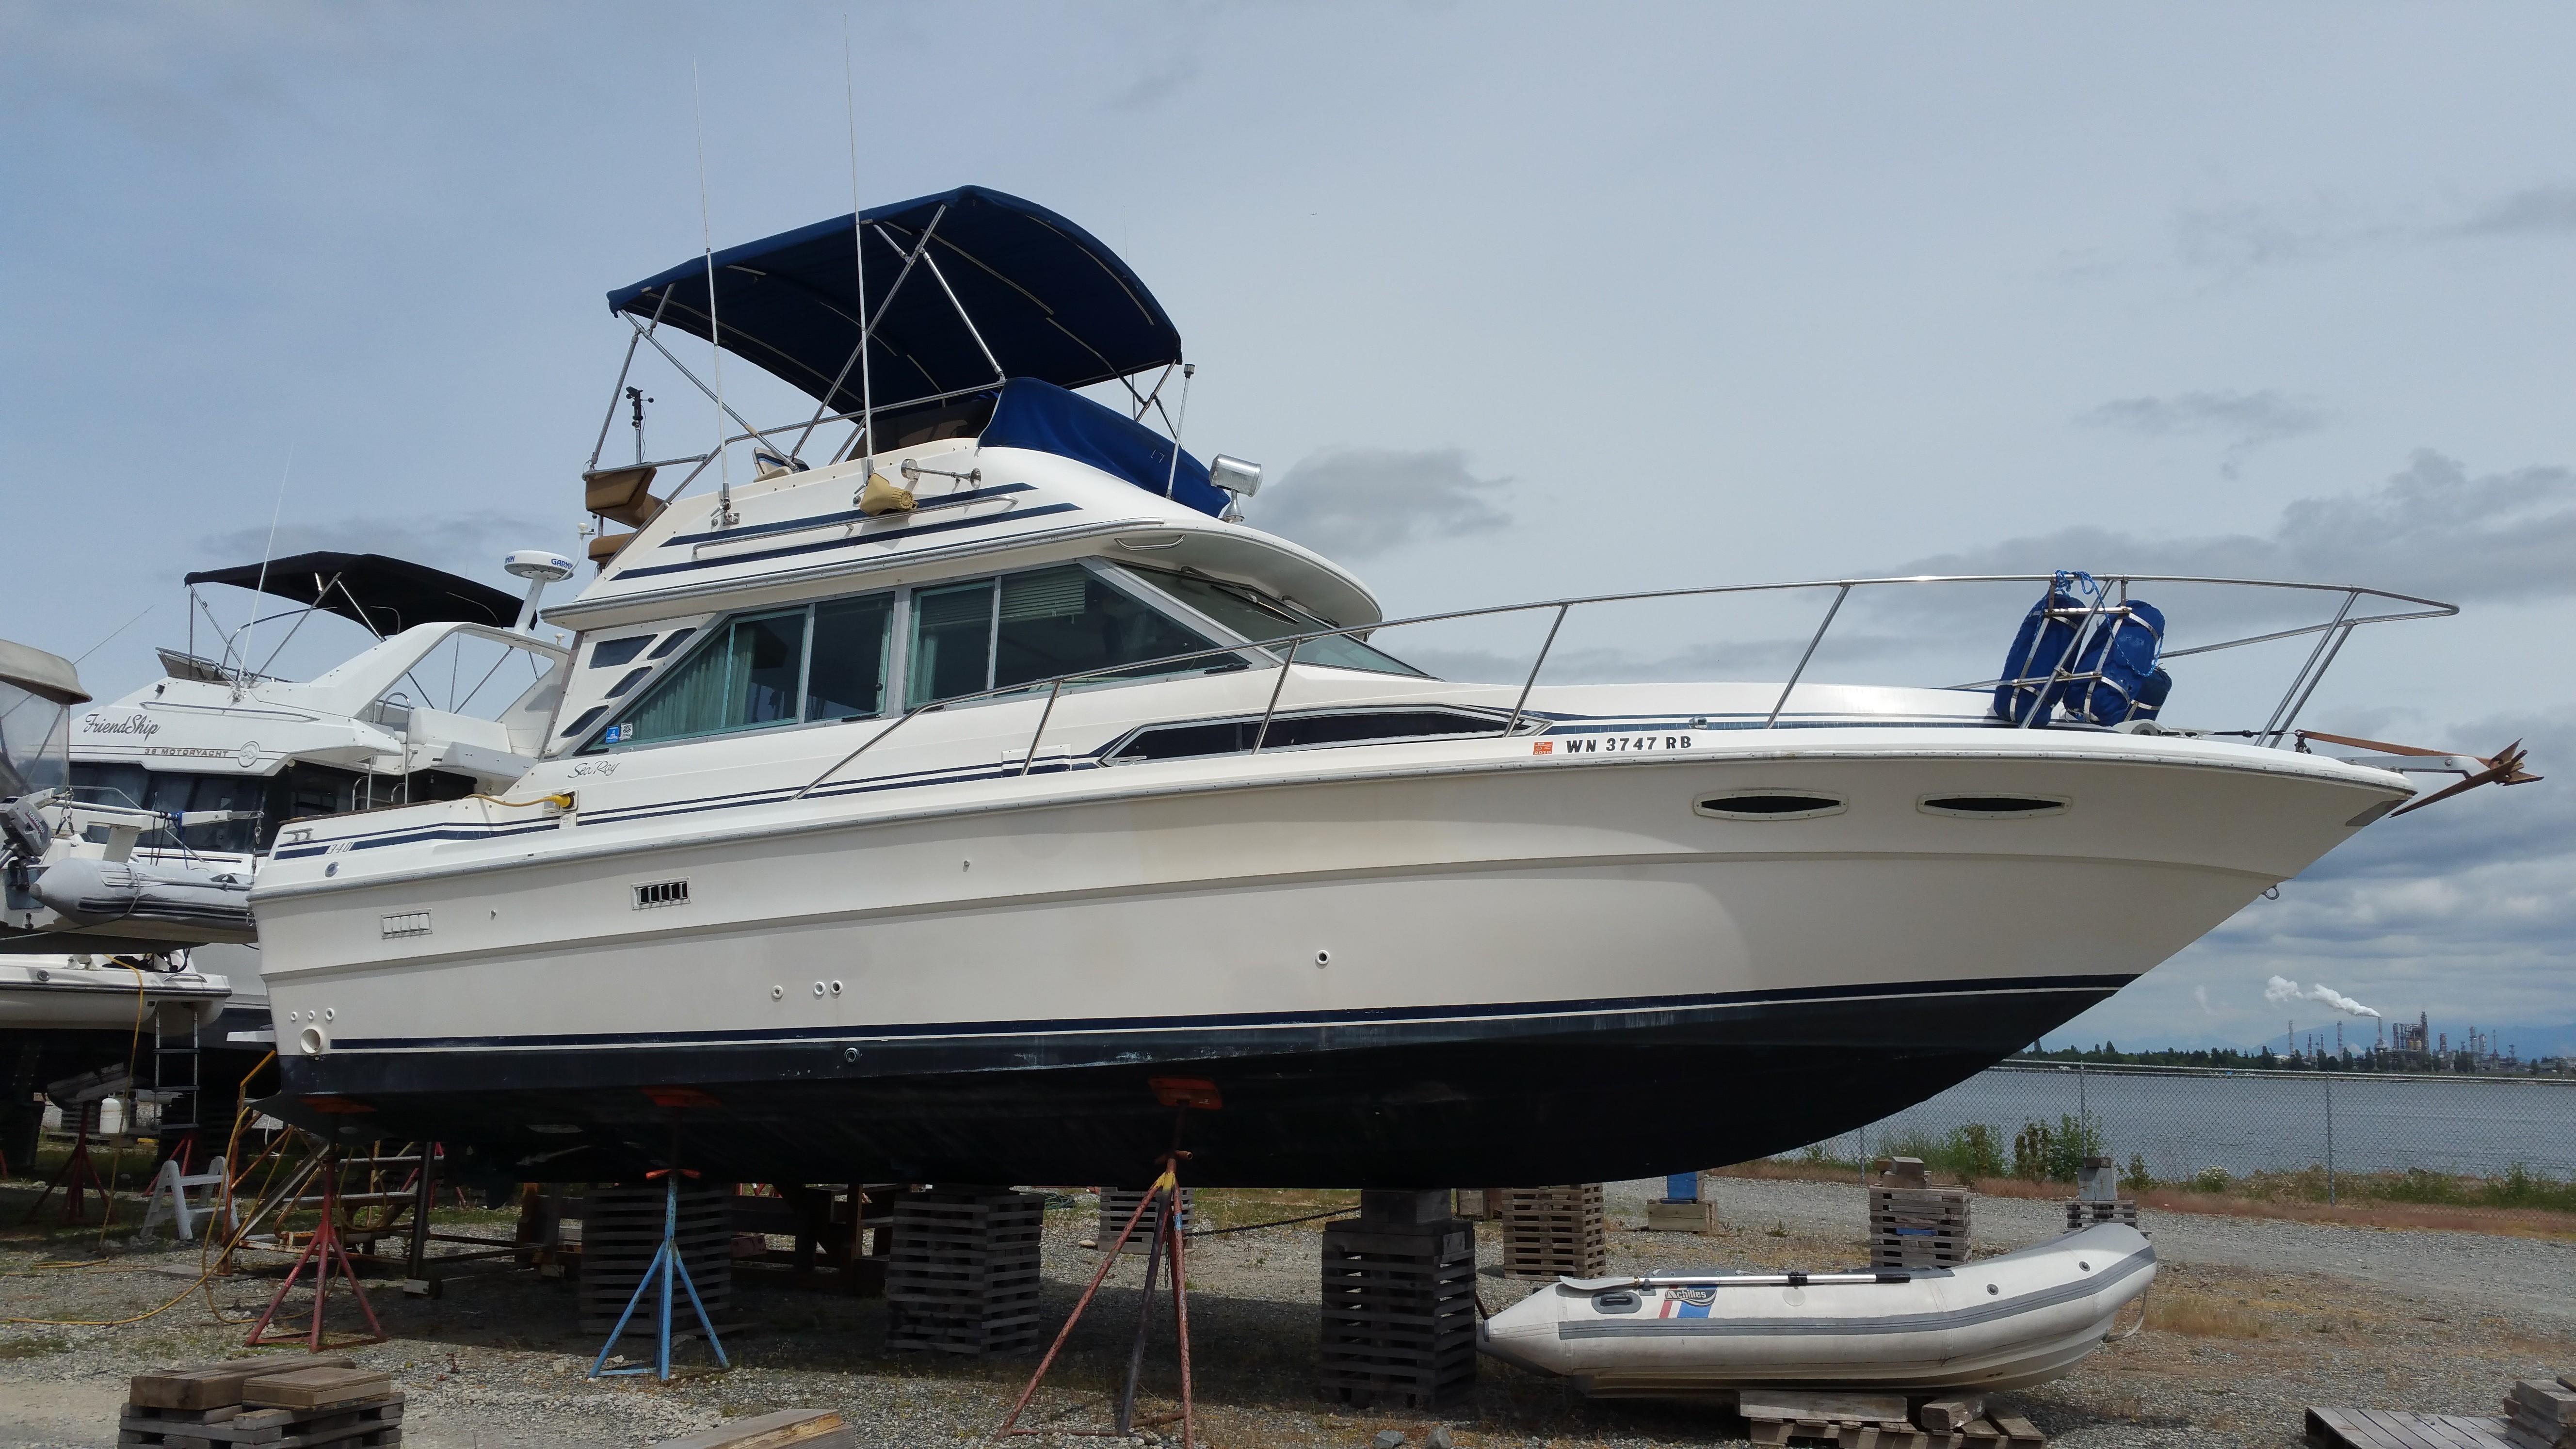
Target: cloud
{"x": 2540, "y": 211}
{"x": 2245, "y": 420}
{"x": 2200, "y": 994}
{"x": 2431, "y": 529}
{"x": 1354, "y": 503}
{"x": 469, "y": 544}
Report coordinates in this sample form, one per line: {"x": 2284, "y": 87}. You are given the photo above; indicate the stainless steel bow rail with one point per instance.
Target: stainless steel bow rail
{"x": 2355, "y": 606}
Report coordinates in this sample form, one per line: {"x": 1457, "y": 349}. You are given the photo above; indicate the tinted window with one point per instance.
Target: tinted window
{"x": 1068, "y": 621}
{"x": 608, "y": 652}
{"x": 674, "y": 642}
{"x": 745, "y": 677}
{"x": 952, "y": 641}
{"x": 1256, "y": 617}
{"x": 847, "y": 678}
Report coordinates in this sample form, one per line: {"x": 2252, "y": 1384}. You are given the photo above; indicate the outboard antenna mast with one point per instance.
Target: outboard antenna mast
{"x": 726, "y": 517}
{"x": 859, "y": 250}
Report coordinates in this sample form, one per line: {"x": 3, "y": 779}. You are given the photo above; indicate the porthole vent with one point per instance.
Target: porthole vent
{"x": 662, "y": 893}
{"x": 1992, "y": 807}
{"x": 1769, "y": 805}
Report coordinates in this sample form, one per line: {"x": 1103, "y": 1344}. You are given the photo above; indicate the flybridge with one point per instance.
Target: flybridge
{"x": 981, "y": 313}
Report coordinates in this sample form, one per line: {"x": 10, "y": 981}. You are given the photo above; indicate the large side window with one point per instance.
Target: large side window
{"x": 1068, "y": 621}
{"x": 783, "y": 666}
{"x": 847, "y": 679}
{"x": 995, "y": 633}
{"x": 952, "y": 641}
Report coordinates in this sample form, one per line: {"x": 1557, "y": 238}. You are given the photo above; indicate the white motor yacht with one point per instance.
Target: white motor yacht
{"x": 135, "y": 827}
{"x": 946, "y": 804}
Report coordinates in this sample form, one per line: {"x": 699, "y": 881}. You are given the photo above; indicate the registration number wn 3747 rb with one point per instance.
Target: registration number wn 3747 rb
{"x": 1609, "y": 744}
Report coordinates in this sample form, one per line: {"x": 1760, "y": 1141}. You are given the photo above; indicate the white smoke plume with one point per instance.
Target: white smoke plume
{"x": 2282, "y": 990}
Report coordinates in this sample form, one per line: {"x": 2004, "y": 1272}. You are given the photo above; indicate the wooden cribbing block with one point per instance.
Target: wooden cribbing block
{"x": 1949, "y": 1416}
{"x": 217, "y": 1385}
{"x": 2018, "y": 1430}
{"x": 1824, "y": 1406}
{"x": 316, "y": 1388}
{"x": 786, "y": 1429}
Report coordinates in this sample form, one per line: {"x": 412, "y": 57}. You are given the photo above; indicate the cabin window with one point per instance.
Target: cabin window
{"x": 781, "y": 666}
{"x": 1256, "y": 616}
{"x": 995, "y": 633}
{"x": 610, "y": 652}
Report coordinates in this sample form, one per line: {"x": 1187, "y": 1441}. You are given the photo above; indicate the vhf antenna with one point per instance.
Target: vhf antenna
{"x": 1172, "y": 480}
{"x": 859, "y": 249}
{"x": 715, "y": 330}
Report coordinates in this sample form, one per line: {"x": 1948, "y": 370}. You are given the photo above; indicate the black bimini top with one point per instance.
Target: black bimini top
{"x": 1047, "y": 298}
{"x": 387, "y": 595}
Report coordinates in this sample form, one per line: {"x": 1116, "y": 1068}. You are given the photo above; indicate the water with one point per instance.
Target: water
{"x": 2183, "y": 1121}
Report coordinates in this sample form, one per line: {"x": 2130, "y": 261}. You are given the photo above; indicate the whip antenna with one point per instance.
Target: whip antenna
{"x": 1172, "y": 480}
{"x": 859, "y": 250}
{"x": 266, "y": 552}
{"x": 715, "y": 329}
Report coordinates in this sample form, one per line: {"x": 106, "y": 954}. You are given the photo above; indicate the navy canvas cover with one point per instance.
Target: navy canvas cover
{"x": 1048, "y": 299}
{"x": 2123, "y": 650}
{"x": 2044, "y": 643}
{"x": 1041, "y": 416}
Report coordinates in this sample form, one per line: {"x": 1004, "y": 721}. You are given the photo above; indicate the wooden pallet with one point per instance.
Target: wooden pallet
{"x": 1554, "y": 1232}
{"x": 2402, "y": 1429}
{"x": 1399, "y": 1313}
{"x": 370, "y": 1424}
{"x": 1117, "y": 1204}
{"x": 963, "y": 1273}
{"x": 2082, "y": 1214}
{"x": 786, "y": 1429}
{"x": 621, "y": 1229}
{"x": 1918, "y": 1227}
{"x": 1870, "y": 1421}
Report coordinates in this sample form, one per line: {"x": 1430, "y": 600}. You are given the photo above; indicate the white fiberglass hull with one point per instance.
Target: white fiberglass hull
{"x": 1402, "y": 964}
{"x": 1997, "y": 1323}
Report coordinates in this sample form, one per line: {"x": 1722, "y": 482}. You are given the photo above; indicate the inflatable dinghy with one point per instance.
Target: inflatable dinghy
{"x": 1994, "y": 1323}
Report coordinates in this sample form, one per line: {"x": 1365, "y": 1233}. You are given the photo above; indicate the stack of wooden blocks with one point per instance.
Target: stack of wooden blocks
{"x": 300, "y": 1403}
{"x": 1554, "y": 1232}
{"x": 621, "y": 1229}
{"x": 1117, "y": 1204}
{"x": 1879, "y": 1421}
{"x": 2541, "y": 1415}
{"x": 786, "y": 1429}
{"x": 2097, "y": 1196}
{"x": 1913, "y": 1224}
{"x": 1399, "y": 1303}
{"x": 1684, "y": 1207}
{"x": 962, "y": 1276}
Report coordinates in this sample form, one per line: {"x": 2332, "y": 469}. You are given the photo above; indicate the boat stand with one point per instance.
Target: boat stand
{"x": 78, "y": 1177}
{"x": 1163, "y": 1199}
{"x": 325, "y": 1251}
{"x": 667, "y": 1265}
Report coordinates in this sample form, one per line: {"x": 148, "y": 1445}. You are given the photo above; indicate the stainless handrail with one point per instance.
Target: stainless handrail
{"x": 2308, "y": 676}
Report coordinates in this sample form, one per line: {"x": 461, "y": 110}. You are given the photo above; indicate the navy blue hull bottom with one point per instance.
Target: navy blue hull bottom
{"x": 1480, "y": 1102}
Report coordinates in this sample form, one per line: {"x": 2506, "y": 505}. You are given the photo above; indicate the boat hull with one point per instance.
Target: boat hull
{"x": 1496, "y": 973}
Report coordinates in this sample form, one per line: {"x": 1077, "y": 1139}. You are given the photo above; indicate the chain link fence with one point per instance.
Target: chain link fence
{"x": 2461, "y": 1141}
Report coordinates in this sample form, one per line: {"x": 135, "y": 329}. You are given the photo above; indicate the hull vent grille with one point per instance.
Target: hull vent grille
{"x": 409, "y": 923}
{"x": 662, "y": 893}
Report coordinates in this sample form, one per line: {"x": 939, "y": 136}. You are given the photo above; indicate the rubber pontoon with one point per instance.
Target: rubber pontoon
{"x": 1997, "y": 1323}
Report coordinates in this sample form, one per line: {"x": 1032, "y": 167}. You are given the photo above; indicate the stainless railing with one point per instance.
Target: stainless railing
{"x": 2331, "y": 635}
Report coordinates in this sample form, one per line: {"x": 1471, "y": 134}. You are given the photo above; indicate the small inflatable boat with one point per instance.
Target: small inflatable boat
{"x": 1994, "y": 1323}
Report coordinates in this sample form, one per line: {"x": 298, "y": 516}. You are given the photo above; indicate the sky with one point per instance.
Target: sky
{"x": 1513, "y": 301}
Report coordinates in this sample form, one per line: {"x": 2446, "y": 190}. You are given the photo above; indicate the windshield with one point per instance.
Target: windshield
{"x": 1258, "y": 616}
{"x": 35, "y": 742}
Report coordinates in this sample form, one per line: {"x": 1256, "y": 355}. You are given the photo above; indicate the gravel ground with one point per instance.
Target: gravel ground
{"x": 2250, "y": 1322}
